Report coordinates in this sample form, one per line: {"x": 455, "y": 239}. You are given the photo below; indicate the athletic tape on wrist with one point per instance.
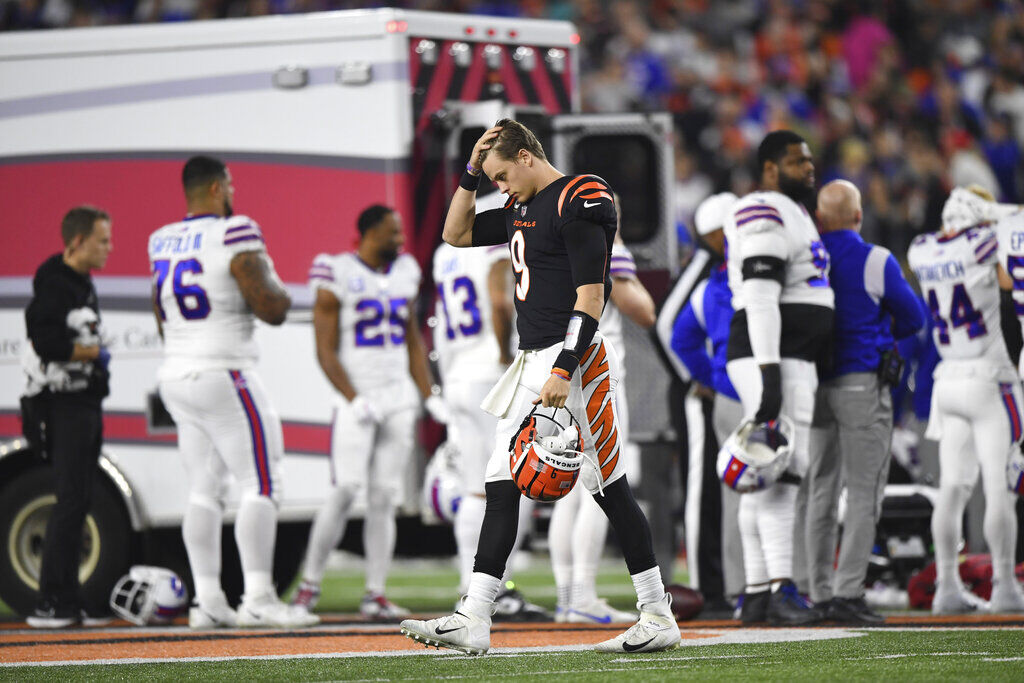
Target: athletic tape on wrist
{"x": 579, "y": 335}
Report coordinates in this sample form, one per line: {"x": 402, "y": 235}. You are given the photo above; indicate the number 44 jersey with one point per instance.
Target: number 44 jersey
{"x": 374, "y": 313}
{"x": 958, "y": 281}
{"x": 206, "y": 322}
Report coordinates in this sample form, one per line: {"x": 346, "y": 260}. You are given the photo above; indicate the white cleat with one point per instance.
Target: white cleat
{"x": 1006, "y": 598}
{"x": 562, "y": 614}
{"x": 462, "y": 631}
{"x": 656, "y": 630}
{"x": 267, "y": 611}
{"x": 599, "y": 612}
{"x": 214, "y": 613}
{"x": 376, "y": 606}
{"x": 957, "y": 600}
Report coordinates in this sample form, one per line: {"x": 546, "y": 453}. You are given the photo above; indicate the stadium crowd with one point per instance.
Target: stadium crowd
{"x": 906, "y": 99}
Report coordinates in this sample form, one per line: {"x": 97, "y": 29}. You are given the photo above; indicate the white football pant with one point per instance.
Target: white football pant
{"x": 767, "y": 518}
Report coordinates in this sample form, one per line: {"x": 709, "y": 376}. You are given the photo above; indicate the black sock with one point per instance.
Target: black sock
{"x": 630, "y": 525}
{"x": 498, "y": 531}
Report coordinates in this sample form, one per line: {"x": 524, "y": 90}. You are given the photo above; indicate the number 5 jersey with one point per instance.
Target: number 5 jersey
{"x": 958, "y": 281}
{"x": 374, "y": 313}
{"x": 206, "y": 322}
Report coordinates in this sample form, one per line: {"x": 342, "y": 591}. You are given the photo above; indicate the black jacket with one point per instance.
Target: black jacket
{"x": 57, "y": 290}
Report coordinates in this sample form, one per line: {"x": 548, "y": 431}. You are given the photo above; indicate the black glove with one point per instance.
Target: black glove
{"x": 771, "y": 393}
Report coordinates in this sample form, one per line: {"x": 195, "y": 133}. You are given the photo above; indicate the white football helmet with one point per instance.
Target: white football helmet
{"x": 964, "y": 209}
{"x": 149, "y": 595}
{"x": 756, "y": 454}
{"x": 1015, "y": 472}
{"x": 442, "y": 485}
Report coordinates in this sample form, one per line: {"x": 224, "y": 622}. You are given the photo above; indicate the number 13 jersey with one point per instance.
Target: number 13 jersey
{"x": 958, "y": 281}
{"x": 375, "y": 309}
{"x": 206, "y": 322}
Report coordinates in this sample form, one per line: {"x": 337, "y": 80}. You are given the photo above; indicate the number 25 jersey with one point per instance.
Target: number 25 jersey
{"x": 375, "y": 309}
{"x": 206, "y": 322}
{"x": 958, "y": 281}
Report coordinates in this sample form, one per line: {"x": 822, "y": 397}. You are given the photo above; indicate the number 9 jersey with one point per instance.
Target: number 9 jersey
{"x": 375, "y": 309}
{"x": 958, "y": 281}
{"x": 207, "y": 324}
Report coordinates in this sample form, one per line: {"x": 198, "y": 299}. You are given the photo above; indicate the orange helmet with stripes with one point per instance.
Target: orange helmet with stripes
{"x": 545, "y": 468}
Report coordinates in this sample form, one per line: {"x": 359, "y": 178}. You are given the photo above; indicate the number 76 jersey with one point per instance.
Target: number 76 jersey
{"x": 375, "y": 309}
{"x": 959, "y": 283}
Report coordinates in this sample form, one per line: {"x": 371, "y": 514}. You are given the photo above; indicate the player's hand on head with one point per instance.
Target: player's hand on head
{"x": 554, "y": 393}
{"x": 366, "y": 412}
{"x": 484, "y": 143}
{"x": 438, "y": 409}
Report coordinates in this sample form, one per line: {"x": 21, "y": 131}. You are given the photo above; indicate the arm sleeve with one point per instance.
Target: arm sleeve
{"x": 689, "y": 344}
{"x": 764, "y": 321}
{"x": 901, "y": 302}
{"x": 46, "y": 322}
{"x": 587, "y": 248}
{"x": 489, "y": 228}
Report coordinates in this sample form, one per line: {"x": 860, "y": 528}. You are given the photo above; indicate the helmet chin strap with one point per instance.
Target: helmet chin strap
{"x": 592, "y": 461}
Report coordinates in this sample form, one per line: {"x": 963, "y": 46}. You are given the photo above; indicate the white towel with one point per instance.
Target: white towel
{"x": 499, "y": 398}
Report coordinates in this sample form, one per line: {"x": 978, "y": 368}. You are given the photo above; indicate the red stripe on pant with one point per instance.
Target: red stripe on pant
{"x": 259, "y": 439}
{"x": 1012, "y": 412}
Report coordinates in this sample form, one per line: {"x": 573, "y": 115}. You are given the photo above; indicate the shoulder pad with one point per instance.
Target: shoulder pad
{"x": 587, "y": 197}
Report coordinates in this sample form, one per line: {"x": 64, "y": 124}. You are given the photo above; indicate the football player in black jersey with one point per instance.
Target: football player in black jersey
{"x": 560, "y": 230}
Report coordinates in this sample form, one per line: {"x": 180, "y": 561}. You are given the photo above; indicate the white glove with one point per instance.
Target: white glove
{"x": 366, "y": 413}
{"x": 438, "y": 409}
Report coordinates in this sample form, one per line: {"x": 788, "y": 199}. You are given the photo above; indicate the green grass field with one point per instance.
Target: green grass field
{"x": 897, "y": 654}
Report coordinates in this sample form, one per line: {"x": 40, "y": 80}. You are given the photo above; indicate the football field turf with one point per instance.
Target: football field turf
{"x": 345, "y": 647}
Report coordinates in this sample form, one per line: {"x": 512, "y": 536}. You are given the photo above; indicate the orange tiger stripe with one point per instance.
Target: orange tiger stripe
{"x": 602, "y": 425}
{"x": 565, "y": 191}
{"x": 609, "y": 467}
{"x": 587, "y": 353}
{"x": 596, "y": 367}
{"x": 509, "y": 202}
{"x": 593, "y": 185}
{"x": 597, "y": 195}
{"x": 594, "y": 404}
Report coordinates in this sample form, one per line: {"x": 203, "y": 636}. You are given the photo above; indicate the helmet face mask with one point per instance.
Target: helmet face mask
{"x": 149, "y": 595}
{"x": 545, "y": 468}
{"x": 755, "y": 455}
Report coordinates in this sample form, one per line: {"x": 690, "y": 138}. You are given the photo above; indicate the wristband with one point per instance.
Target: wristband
{"x": 559, "y": 372}
{"x": 473, "y": 171}
{"x": 469, "y": 182}
{"x": 578, "y": 336}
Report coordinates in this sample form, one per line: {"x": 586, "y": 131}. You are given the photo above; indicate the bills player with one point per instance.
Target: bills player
{"x": 578, "y": 527}
{"x": 782, "y": 327}
{"x": 560, "y": 230}
{"x": 976, "y": 399}
{"x": 369, "y": 346}
{"x": 211, "y": 278}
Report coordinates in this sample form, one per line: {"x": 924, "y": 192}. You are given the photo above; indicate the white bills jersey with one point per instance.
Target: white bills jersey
{"x": 375, "y": 310}
{"x": 207, "y": 324}
{"x": 610, "y": 324}
{"x": 958, "y": 280}
{"x": 771, "y": 224}
{"x": 1010, "y": 236}
{"x": 464, "y": 335}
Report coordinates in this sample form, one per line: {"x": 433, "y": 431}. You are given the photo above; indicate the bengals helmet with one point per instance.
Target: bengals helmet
{"x": 756, "y": 454}
{"x": 545, "y": 468}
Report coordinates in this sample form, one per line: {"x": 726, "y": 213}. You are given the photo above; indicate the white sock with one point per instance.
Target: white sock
{"x": 255, "y": 533}
{"x": 588, "y": 539}
{"x": 648, "y": 585}
{"x": 754, "y": 567}
{"x": 775, "y": 521}
{"x": 324, "y": 536}
{"x": 201, "y": 531}
{"x": 483, "y": 589}
{"x": 378, "y": 539}
{"x": 560, "y": 530}
{"x": 467, "y": 535}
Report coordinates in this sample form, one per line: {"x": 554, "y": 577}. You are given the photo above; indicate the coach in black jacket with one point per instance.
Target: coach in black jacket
{"x": 67, "y": 371}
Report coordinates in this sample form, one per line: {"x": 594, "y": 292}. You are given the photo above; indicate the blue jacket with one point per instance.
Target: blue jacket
{"x": 706, "y": 316}
{"x": 874, "y": 302}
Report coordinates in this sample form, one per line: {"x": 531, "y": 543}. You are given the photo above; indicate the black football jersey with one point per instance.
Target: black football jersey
{"x": 545, "y": 293}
